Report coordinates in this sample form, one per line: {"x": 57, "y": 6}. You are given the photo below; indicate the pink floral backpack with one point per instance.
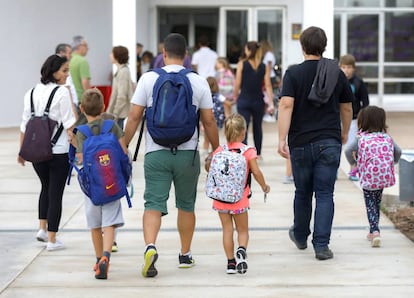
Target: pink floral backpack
{"x": 375, "y": 160}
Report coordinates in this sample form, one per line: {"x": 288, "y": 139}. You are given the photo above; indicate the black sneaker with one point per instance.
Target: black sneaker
{"x": 299, "y": 245}
{"x": 324, "y": 254}
{"x": 231, "y": 267}
{"x": 102, "y": 268}
{"x": 150, "y": 257}
{"x": 185, "y": 261}
{"x": 241, "y": 260}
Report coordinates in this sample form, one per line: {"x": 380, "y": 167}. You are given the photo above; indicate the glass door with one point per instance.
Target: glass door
{"x": 270, "y": 27}
{"x": 233, "y": 32}
{"x": 191, "y": 23}
{"x": 241, "y": 24}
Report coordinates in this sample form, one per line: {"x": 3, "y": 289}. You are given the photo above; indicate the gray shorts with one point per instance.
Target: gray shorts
{"x": 103, "y": 216}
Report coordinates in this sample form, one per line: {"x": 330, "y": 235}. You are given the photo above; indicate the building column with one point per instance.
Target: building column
{"x": 124, "y": 30}
{"x": 320, "y": 13}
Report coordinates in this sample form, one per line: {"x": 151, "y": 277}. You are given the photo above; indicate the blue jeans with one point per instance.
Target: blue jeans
{"x": 314, "y": 168}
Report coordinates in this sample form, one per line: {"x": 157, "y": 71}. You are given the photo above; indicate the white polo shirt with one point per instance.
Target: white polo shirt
{"x": 205, "y": 59}
{"x": 201, "y": 99}
{"x": 60, "y": 111}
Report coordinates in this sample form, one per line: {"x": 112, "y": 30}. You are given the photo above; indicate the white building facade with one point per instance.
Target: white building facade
{"x": 379, "y": 33}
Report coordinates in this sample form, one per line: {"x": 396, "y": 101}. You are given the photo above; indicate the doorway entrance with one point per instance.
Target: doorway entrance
{"x": 227, "y": 28}
{"x": 241, "y": 24}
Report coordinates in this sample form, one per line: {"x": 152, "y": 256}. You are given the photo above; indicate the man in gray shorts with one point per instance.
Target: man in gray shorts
{"x": 162, "y": 167}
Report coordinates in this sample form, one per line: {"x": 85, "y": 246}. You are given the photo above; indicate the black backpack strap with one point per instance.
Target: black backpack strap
{"x": 49, "y": 102}
{"x": 57, "y": 135}
{"x": 141, "y": 132}
{"x": 32, "y": 111}
{"x": 198, "y": 134}
{"x": 46, "y": 113}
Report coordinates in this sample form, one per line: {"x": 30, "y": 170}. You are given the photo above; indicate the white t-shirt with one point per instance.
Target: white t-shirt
{"x": 143, "y": 97}
{"x": 269, "y": 57}
{"x": 60, "y": 111}
{"x": 205, "y": 59}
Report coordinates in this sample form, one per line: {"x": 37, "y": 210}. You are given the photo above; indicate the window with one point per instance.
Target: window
{"x": 399, "y": 36}
{"x": 363, "y": 37}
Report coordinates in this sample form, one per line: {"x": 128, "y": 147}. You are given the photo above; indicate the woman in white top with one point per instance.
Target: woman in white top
{"x": 52, "y": 173}
{"x": 269, "y": 60}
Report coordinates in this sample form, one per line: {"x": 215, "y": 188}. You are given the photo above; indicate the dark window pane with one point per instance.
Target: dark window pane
{"x": 337, "y": 36}
{"x": 372, "y": 87}
{"x": 398, "y": 88}
{"x": 171, "y": 21}
{"x": 363, "y": 37}
{"x": 399, "y": 36}
{"x": 399, "y": 3}
{"x": 206, "y": 24}
{"x": 236, "y": 35}
{"x": 357, "y": 3}
{"x": 270, "y": 29}
{"x": 365, "y": 71}
{"x": 399, "y": 72}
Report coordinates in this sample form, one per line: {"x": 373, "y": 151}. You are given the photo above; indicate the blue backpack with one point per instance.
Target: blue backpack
{"x": 172, "y": 118}
{"x": 106, "y": 170}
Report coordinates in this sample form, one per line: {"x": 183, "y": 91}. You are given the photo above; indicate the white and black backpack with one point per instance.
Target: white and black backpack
{"x": 228, "y": 175}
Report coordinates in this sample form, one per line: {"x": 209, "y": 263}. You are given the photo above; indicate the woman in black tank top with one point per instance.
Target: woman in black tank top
{"x": 251, "y": 76}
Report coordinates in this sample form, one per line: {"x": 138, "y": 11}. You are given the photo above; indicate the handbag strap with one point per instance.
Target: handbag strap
{"x": 57, "y": 135}
{"x": 32, "y": 111}
{"x": 49, "y": 102}
{"x": 46, "y": 113}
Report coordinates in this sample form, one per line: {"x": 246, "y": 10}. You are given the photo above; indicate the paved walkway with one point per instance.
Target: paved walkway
{"x": 276, "y": 267}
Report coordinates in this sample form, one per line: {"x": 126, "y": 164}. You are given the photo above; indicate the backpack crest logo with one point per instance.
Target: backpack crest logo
{"x": 106, "y": 168}
{"x": 172, "y": 119}
{"x": 376, "y": 161}
{"x": 226, "y": 179}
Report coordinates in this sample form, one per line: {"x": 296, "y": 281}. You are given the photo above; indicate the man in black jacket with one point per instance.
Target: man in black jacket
{"x": 361, "y": 100}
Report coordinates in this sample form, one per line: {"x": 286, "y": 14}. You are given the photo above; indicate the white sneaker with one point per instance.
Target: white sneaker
{"x": 55, "y": 246}
{"x": 269, "y": 118}
{"x": 287, "y": 180}
{"x": 41, "y": 235}
{"x": 376, "y": 239}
